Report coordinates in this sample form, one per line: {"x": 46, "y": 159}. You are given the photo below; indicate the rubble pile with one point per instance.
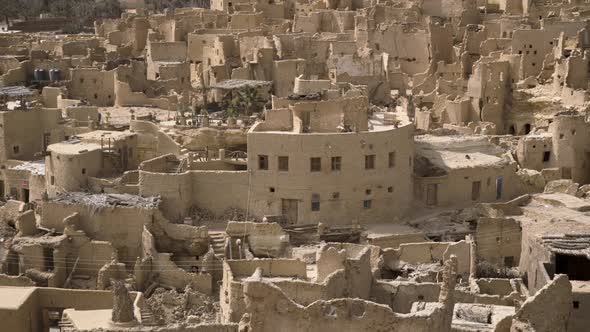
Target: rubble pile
{"x": 172, "y": 306}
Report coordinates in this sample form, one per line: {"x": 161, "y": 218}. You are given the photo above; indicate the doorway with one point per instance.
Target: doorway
{"x": 576, "y": 267}
{"x": 432, "y": 194}
{"x": 26, "y": 194}
{"x": 475, "y": 190}
{"x": 499, "y": 185}
{"x": 566, "y": 173}
{"x": 306, "y": 122}
{"x": 289, "y": 210}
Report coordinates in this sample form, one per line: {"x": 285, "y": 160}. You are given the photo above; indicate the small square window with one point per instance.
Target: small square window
{"x": 262, "y": 162}
{"x": 391, "y": 159}
{"x": 370, "y": 161}
{"x": 367, "y": 203}
{"x": 389, "y": 189}
{"x": 368, "y": 191}
{"x": 335, "y": 195}
{"x": 83, "y": 170}
{"x": 315, "y": 164}
{"x": 283, "y": 164}
{"x": 315, "y": 202}
{"x": 336, "y": 163}
{"x": 16, "y": 149}
{"x": 271, "y": 189}
{"x": 576, "y": 304}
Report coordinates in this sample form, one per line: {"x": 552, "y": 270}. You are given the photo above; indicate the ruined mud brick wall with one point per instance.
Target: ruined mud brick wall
{"x": 498, "y": 239}
{"x": 93, "y": 85}
{"x": 215, "y": 190}
{"x": 121, "y": 226}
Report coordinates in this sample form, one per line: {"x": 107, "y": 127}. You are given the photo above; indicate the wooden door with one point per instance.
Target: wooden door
{"x": 432, "y": 194}
{"x": 290, "y": 210}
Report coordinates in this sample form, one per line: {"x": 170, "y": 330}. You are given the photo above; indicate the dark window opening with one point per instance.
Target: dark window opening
{"x": 271, "y": 189}
{"x": 527, "y": 128}
{"x": 48, "y": 258}
{"x": 283, "y": 164}
{"x": 576, "y": 304}
{"x": 509, "y": 261}
{"x": 315, "y": 164}
{"x": 263, "y": 162}
{"x": 315, "y": 202}
{"x": 367, "y": 203}
{"x": 576, "y": 267}
{"x": 16, "y": 149}
{"x": 546, "y": 156}
{"x": 370, "y": 161}
{"x": 391, "y": 159}
{"x": 336, "y": 163}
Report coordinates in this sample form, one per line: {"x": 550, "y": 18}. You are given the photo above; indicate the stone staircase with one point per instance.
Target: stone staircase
{"x": 217, "y": 240}
{"x": 65, "y": 324}
{"x": 147, "y": 318}
{"x": 173, "y": 166}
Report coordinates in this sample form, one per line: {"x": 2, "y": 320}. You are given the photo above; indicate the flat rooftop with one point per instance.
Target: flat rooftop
{"x": 98, "y": 135}
{"x": 36, "y": 167}
{"x": 12, "y": 298}
{"x": 460, "y": 152}
{"x": 73, "y": 147}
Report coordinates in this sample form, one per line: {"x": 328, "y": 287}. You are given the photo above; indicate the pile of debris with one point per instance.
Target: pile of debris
{"x": 448, "y": 225}
{"x": 200, "y": 216}
{"x": 104, "y": 200}
{"x": 203, "y": 217}
{"x": 233, "y": 214}
{"x": 190, "y": 306}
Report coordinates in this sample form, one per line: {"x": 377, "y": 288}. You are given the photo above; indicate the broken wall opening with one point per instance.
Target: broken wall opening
{"x": 575, "y": 267}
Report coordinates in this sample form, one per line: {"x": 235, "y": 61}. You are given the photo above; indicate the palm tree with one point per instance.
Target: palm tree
{"x": 248, "y": 100}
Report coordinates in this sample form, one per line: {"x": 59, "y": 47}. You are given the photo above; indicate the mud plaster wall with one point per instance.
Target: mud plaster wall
{"x": 121, "y": 226}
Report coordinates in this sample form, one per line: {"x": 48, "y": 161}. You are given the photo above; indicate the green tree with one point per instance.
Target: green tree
{"x": 10, "y": 9}
{"x": 248, "y": 100}
{"x": 83, "y": 13}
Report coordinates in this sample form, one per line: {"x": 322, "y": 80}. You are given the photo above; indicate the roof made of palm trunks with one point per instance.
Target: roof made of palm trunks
{"x": 238, "y": 84}
{"x": 16, "y": 91}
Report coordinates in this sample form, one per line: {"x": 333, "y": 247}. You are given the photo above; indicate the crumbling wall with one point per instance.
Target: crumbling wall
{"x": 166, "y": 272}
{"x": 548, "y": 310}
{"x": 428, "y": 252}
{"x": 216, "y": 190}
{"x": 498, "y": 241}
{"x": 268, "y": 306}
{"x": 152, "y": 141}
{"x": 103, "y": 223}
{"x": 231, "y": 293}
{"x": 93, "y": 85}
